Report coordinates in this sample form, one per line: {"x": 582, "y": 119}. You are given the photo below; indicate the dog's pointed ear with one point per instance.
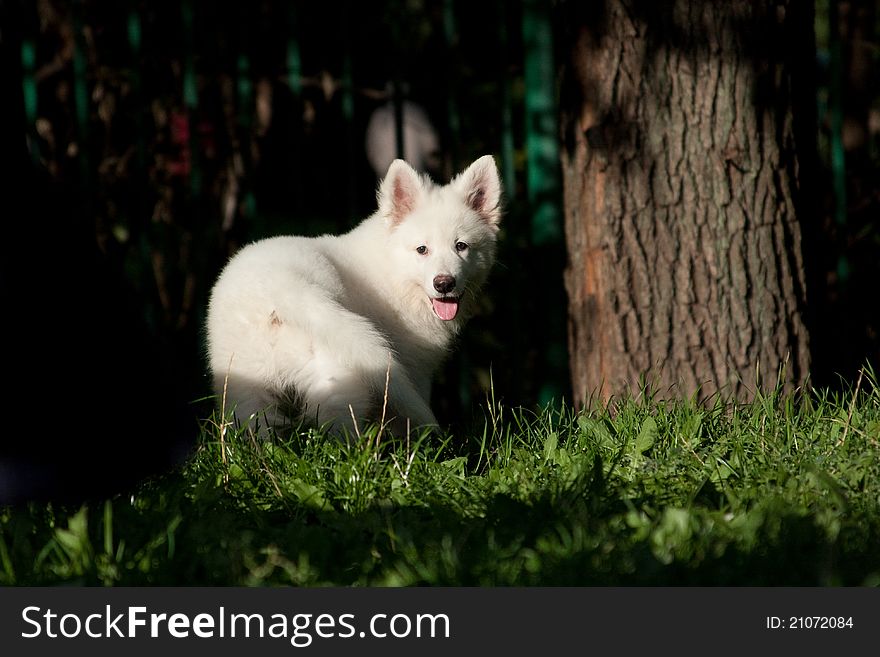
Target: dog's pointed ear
{"x": 399, "y": 192}
{"x": 481, "y": 187}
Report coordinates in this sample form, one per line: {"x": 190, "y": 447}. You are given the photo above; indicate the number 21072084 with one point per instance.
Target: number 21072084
{"x": 809, "y": 623}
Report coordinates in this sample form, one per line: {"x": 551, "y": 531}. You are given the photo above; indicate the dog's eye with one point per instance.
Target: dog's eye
{"x": 422, "y": 250}
{"x": 461, "y": 247}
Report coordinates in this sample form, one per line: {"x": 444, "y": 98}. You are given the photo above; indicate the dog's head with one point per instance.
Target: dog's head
{"x": 442, "y": 239}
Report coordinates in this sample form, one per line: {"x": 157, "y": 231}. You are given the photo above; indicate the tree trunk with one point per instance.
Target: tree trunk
{"x": 680, "y": 190}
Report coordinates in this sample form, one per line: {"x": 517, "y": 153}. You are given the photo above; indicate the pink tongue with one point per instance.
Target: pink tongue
{"x": 445, "y": 309}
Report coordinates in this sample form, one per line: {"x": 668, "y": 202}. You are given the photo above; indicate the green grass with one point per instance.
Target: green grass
{"x": 782, "y": 491}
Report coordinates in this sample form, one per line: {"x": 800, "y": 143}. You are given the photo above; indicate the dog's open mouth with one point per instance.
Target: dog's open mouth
{"x": 445, "y": 308}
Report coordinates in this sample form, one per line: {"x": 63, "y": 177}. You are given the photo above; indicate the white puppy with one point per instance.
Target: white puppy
{"x": 309, "y": 329}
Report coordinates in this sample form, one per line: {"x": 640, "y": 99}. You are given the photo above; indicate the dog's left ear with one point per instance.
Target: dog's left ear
{"x": 399, "y": 192}
{"x": 481, "y": 187}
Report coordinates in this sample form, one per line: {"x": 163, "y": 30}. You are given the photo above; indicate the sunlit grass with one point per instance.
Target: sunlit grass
{"x": 784, "y": 490}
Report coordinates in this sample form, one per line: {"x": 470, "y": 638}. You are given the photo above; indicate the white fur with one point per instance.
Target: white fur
{"x": 322, "y": 320}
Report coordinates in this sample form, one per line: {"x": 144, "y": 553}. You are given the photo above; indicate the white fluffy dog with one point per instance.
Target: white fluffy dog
{"x": 321, "y": 329}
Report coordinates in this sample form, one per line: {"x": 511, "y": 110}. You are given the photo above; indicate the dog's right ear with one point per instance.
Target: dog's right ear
{"x": 481, "y": 187}
{"x": 399, "y": 192}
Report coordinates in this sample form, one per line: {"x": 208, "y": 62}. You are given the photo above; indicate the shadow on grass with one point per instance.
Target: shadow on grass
{"x": 584, "y": 536}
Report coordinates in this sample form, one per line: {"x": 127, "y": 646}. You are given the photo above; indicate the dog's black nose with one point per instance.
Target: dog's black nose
{"x": 444, "y": 283}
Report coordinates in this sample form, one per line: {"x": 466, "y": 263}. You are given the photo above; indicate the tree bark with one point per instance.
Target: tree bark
{"x": 680, "y": 178}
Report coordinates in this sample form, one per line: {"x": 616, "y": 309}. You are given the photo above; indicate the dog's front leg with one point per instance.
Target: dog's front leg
{"x": 403, "y": 400}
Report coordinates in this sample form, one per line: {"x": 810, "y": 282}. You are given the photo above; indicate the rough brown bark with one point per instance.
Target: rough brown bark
{"x": 680, "y": 189}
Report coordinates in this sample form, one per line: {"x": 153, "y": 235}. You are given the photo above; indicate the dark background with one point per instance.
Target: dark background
{"x": 146, "y": 141}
